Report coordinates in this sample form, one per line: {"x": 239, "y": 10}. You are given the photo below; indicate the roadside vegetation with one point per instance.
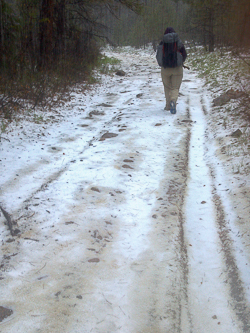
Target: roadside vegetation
{"x": 223, "y": 70}
{"x": 48, "y": 46}
{"x": 226, "y": 73}
{"x": 47, "y": 91}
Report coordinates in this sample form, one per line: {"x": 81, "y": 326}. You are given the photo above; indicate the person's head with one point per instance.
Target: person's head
{"x": 169, "y": 30}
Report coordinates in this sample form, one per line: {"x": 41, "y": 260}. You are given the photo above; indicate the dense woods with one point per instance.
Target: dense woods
{"x": 46, "y": 45}
{"x": 39, "y": 33}
{"x": 46, "y": 42}
{"x": 208, "y": 22}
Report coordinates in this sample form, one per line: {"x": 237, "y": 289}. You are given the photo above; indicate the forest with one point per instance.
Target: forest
{"x": 45, "y": 45}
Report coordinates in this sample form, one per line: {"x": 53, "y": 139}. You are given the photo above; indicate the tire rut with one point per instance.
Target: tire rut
{"x": 207, "y": 247}
{"x": 184, "y": 313}
{"x": 239, "y": 304}
{"x": 167, "y": 301}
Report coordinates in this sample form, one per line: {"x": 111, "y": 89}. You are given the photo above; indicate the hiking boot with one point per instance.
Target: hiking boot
{"x": 167, "y": 108}
{"x": 172, "y": 107}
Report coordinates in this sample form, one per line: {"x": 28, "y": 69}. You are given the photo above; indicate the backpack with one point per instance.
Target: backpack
{"x": 170, "y": 54}
{"x": 167, "y": 53}
{"x": 159, "y": 54}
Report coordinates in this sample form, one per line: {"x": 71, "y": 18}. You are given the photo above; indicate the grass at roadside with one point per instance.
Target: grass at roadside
{"x": 26, "y": 93}
{"x": 223, "y": 70}
{"x": 107, "y": 65}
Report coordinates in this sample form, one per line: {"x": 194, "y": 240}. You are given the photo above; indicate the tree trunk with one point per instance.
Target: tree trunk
{"x": 60, "y": 29}
{"x": 1, "y": 34}
{"x": 211, "y": 31}
{"x": 46, "y": 32}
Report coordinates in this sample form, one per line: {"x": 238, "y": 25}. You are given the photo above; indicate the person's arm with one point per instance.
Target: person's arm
{"x": 183, "y": 52}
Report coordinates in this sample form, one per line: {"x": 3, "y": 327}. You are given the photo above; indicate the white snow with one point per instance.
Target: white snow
{"x": 78, "y": 199}
{"x": 206, "y": 282}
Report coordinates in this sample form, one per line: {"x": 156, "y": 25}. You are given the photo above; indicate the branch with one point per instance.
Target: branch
{"x": 239, "y": 56}
{"x": 9, "y": 222}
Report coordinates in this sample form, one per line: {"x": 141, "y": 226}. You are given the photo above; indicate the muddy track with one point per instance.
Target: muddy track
{"x": 185, "y": 316}
{"x": 238, "y": 302}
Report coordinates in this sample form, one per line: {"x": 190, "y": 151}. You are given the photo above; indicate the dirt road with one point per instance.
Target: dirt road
{"x": 126, "y": 222}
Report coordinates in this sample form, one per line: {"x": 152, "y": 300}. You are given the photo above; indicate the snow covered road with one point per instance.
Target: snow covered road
{"x": 123, "y": 227}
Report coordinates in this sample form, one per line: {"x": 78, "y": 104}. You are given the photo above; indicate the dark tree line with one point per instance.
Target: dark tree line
{"x": 209, "y": 22}
{"x": 39, "y": 33}
{"x": 47, "y": 45}
{"x": 43, "y": 42}
{"x": 220, "y": 22}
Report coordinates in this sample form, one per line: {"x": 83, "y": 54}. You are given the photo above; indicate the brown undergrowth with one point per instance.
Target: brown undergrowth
{"x": 46, "y": 88}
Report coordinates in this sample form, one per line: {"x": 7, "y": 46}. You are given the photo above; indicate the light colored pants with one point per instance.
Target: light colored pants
{"x": 171, "y": 78}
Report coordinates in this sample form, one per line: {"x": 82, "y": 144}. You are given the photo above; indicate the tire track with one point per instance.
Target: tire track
{"x": 185, "y": 321}
{"x": 239, "y": 302}
{"x": 213, "y": 277}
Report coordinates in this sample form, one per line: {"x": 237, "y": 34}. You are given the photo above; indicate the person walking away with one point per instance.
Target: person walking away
{"x": 173, "y": 57}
